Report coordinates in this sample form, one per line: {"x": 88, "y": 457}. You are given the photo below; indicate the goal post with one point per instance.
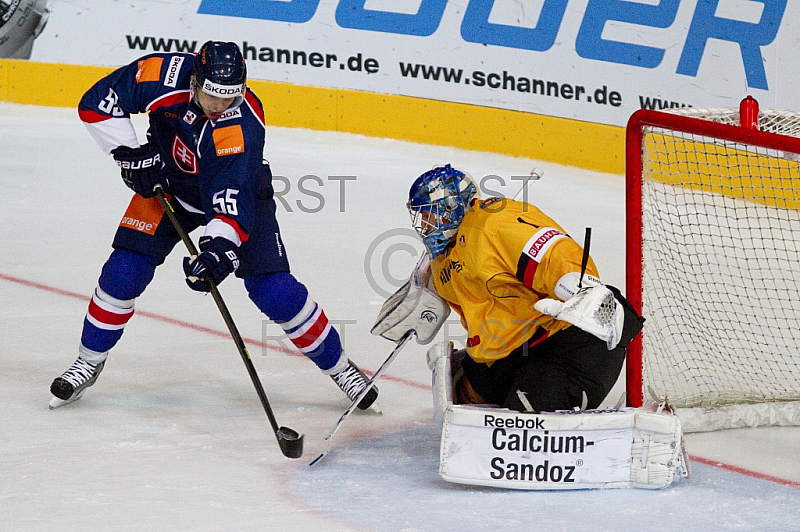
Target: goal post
{"x": 713, "y": 263}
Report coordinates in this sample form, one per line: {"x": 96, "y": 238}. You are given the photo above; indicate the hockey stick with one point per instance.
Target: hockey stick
{"x": 396, "y": 351}
{"x": 290, "y": 441}
{"x": 587, "y": 239}
{"x": 535, "y": 175}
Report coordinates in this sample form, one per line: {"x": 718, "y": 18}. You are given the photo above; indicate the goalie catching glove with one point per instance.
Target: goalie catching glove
{"x": 414, "y": 307}
{"x": 598, "y": 310}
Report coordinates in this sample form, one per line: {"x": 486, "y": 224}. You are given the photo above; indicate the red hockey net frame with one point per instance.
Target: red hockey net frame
{"x": 654, "y": 139}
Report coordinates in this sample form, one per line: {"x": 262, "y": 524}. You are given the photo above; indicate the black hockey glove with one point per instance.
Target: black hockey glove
{"x": 141, "y": 168}
{"x": 217, "y": 259}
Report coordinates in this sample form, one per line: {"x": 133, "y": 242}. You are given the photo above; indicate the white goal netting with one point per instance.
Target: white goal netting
{"x": 721, "y": 273}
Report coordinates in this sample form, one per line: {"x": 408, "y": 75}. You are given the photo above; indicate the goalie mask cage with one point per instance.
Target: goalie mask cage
{"x": 713, "y": 264}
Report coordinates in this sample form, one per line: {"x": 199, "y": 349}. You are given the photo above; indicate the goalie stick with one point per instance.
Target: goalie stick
{"x": 396, "y": 351}
{"x": 289, "y": 440}
{"x": 535, "y": 175}
{"x": 587, "y": 239}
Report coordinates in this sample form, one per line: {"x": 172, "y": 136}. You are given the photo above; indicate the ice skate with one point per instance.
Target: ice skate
{"x": 352, "y": 381}
{"x": 69, "y": 387}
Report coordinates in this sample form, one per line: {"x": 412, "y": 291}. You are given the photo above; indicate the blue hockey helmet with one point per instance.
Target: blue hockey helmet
{"x": 437, "y": 202}
{"x": 219, "y": 70}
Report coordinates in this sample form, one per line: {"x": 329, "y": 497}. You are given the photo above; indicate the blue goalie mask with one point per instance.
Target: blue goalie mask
{"x": 437, "y": 202}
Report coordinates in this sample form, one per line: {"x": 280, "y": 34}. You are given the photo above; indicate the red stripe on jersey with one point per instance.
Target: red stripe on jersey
{"x": 313, "y": 333}
{"x": 109, "y": 318}
{"x": 530, "y": 271}
{"x": 91, "y": 117}
{"x": 169, "y": 100}
{"x": 236, "y": 227}
{"x": 539, "y": 339}
{"x": 255, "y": 105}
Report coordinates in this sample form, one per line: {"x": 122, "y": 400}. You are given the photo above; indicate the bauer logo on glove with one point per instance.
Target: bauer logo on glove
{"x": 141, "y": 168}
{"x": 141, "y": 164}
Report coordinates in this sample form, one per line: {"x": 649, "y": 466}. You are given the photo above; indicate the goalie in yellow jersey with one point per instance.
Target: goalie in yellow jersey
{"x": 542, "y": 334}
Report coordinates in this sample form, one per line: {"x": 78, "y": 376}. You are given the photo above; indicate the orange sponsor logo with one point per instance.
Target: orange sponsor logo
{"x": 228, "y": 140}
{"x": 149, "y": 69}
{"x": 143, "y": 215}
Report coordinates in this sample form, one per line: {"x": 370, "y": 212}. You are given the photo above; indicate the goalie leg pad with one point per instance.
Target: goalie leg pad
{"x": 564, "y": 450}
{"x": 656, "y": 449}
{"x": 445, "y": 364}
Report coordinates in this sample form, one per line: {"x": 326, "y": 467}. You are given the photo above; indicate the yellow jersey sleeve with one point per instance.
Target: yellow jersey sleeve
{"x": 507, "y": 255}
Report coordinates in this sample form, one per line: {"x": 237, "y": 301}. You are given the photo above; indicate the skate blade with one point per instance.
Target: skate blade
{"x": 326, "y": 448}
{"x": 55, "y": 402}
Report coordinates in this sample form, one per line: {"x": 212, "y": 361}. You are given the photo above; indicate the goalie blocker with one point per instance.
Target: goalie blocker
{"x": 414, "y": 307}
{"x": 613, "y": 448}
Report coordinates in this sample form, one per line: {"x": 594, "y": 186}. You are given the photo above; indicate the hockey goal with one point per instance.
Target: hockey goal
{"x": 713, "y": 263}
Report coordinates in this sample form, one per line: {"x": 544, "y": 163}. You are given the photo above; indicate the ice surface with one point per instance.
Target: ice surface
{"x": 172, "y": 436}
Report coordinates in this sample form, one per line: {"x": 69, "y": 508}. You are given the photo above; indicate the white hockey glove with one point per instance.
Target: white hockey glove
{"x": 414, "y": 307}
{"x": 593, "y": 309}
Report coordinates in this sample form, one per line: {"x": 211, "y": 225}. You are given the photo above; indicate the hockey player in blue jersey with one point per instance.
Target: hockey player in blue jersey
{"x": 204, "y": 147}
